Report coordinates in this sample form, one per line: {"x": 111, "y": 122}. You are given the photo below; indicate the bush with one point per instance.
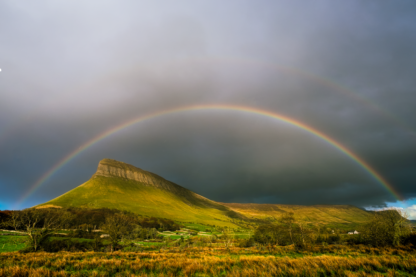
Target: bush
{"x": 410, "y": 239}
{"x": 72, "y": 245}
{"x": 83, "y": 234}
{"x": 333, "y": 239}
{"x": 247, "y": 243}
{"x": 386, "y": 228}
{"x": 354, "y": 240}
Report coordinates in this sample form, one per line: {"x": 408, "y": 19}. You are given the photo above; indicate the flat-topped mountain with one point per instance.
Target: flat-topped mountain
{"x": 125, "y": 187}
{"x": 112, "y": 168}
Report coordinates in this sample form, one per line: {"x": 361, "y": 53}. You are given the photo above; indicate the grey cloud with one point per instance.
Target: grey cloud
{"x": 70, "y": 72}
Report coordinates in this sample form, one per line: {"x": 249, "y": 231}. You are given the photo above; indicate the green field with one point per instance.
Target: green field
{"x": 198, "y": 226}
{"x": 11, "y": 243}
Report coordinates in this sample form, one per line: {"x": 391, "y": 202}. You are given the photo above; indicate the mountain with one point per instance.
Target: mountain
{"x": 125, "y": 187}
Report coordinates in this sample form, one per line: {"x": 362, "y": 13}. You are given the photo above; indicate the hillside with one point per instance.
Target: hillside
{"x": 324, "y": 214}
{"x": 122, "y": 186}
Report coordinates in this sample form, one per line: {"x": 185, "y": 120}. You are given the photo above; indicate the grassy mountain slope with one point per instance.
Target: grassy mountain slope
{"x": 315, "y": 214}
{"x": 122, "y": 186}
{"x": 139, "y": 197}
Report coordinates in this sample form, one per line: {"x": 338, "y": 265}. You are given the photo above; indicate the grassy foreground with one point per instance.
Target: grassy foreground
{"x": 283, "y": 261}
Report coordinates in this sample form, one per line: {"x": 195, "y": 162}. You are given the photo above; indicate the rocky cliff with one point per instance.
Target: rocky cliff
{"x": 113, "y": 168}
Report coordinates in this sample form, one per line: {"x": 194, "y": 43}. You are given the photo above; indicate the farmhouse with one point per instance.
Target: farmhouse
{"x": 355, "y": 232}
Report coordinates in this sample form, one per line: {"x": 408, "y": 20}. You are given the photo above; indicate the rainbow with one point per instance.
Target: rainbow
{"x": 29, "y": 116}
{"x": 266, "y": 113}
{"x": 316, "y": 79}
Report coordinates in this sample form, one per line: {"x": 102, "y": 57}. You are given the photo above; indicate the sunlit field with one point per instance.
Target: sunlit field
{"x": 128, "y": 245}
{"x": 216, "y": 261}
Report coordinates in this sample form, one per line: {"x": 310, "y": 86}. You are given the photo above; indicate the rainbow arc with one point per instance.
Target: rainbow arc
{"x": 363, "y": 164}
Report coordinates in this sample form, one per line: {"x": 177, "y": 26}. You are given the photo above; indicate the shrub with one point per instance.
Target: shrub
{"x": 83, "y": 234}
{"x": 410, "y": 239}
{"x": 72, "y": 245}
{"x": 247, "y": 243}
{"x": 354, "y": 240}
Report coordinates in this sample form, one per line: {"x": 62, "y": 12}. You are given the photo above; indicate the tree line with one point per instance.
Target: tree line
{"x": 84, "y": 219}
{"x": 385, "y": 228}
{"x": 41, "y": 224}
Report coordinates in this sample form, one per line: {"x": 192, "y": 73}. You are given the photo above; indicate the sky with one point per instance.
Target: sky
{"x": 346, "y": 69}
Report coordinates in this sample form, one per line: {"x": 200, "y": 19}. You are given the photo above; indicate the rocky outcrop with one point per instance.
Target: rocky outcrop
{"x": 113, "y": 168}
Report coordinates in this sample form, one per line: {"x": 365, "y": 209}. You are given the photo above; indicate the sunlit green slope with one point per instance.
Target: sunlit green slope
{"x": 323, "y": 214}
{"x": 152, "y": 196}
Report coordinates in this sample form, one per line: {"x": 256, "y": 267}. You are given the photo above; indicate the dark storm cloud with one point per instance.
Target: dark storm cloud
{"x": 70, "y": 72}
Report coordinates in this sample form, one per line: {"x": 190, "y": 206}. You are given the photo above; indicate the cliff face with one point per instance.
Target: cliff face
{"x": 113, "y": 168}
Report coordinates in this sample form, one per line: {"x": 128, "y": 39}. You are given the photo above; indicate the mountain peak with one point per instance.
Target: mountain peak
{"x": 113, "y": 168}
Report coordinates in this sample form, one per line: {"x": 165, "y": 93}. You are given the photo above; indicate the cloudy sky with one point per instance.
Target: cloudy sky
{"x": 71, "y": 70}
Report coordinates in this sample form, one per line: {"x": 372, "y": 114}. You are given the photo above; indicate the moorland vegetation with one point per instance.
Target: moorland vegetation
{"x": 107, "y": 242}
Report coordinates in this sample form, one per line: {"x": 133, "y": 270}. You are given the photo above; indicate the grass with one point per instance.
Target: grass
{"x": 10, "y": 232}
{"x": 217, "y": 261}
{"x": 196, "y": 257}
{"x": 73, "y": 239}
{"x": 11, "y": 243}
{"x": 241, "y": 235}
{"x": 178, "y": 237}
{"x": 335, "y": 216}
{"x": 198, "y": 226}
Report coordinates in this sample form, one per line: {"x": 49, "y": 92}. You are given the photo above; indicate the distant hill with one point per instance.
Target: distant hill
{"x": 125, "y": 187}
{"x": 323, "y": 214}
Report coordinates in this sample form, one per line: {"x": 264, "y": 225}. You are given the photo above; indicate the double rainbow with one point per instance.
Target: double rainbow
{"x": 251, "y": 110}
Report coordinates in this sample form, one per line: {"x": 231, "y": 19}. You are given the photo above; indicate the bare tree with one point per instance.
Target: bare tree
{"x": 303, "y": 235}
{"x": 289, "y": 221}
{"x": 227, "y": 237}
{"x": 287, "y": 231}
{"x": 12, "y": 219}
{"x": 117, "y": 226}
{"x": 39, "y": 224}
{"x": 15, "y": 220}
